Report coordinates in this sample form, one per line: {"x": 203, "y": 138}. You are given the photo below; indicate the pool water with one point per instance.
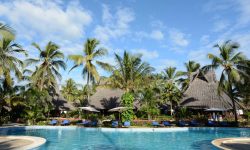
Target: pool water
{"x": 74, "y": 138}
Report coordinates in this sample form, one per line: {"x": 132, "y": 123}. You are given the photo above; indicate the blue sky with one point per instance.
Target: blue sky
{"x": 166, "y": 32}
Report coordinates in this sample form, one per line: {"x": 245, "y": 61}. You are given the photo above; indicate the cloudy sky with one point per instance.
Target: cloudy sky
{"x": 166, "y": 32}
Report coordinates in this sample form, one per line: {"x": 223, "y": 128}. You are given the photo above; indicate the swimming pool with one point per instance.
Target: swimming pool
{"x": 60, "y": 138}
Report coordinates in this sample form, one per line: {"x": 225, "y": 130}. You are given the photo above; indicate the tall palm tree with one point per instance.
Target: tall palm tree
{"x": 88, "y": 61}
{"x": 129, "y": 72}
{"x": 49, "y": 62}
{"x": 234, "y": 66}
{"x": 191, "y": 66}
{"x": 6, "y": 31}
{"x": 171, "y": 93}
{"x": 8, "y": 60}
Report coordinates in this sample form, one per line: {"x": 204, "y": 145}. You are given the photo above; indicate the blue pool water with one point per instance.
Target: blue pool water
{"x": 67, "y": 138}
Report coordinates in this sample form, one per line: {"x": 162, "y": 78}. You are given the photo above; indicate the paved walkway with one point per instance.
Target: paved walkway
{"x": 20, "y": 142}
{"x": 232, "y": 143}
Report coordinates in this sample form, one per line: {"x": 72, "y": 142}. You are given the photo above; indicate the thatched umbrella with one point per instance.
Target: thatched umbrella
{"x": 88, "y": 108}
{"x": 202, "y": 93}
{"x": 119, "y": 110}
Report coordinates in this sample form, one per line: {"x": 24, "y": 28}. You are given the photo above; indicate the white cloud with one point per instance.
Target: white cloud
{"x": 146, "y": 54}
{"x": 114, "y": 26}
{"x": 154, "y": 34}
{"x": 157, "y": 35}
{"x": 220, "y": 25}
{"x": 178, "y": 38}
{"x": 205, "y": 39}
{"x": 164, "y": 63}
{"x": 46, "y": 18}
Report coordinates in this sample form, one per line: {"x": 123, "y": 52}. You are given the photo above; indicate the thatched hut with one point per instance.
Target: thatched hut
{"x": 202, "y": 93}
{"x": 106, "y": 98}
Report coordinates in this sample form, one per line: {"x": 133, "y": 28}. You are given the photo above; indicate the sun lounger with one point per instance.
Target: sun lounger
{"x": 65, "y": 122}
{"x": 93, "y": 123}
{"x": 166, "y": 123}
{"x": 53, "y": 122}
{"x": 182, "y": 123}
{"x": 126, "y": 124}
{"x": 224, "y": 124}
{"x": 114, "y": 124}
{"x": 84, "y": 123}
{"x": 211, "y": 123}
{"x": 155, "y": 124}
{"x": 194, "y": 123}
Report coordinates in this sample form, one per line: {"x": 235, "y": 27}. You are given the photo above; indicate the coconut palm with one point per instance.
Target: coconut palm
{"x": 88, "y": 61}
{"x": 6, "y": 31}
{"x": 129, "y": 72}
{"x": 49, "y": 62}
{"x": 191, "y": 66}
{"x": 171, "y": 93}
{"x": 8, "y": 60}
{"x": 70, "y": 91}
{"x": 233, "y": 65}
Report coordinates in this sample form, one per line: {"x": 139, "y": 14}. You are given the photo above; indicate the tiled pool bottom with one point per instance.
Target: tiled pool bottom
{"x": 59, "y": 138}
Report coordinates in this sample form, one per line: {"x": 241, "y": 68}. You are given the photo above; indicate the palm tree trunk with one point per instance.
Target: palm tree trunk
{"x": 88, "y": 78}
{"x": 233, "y": 101}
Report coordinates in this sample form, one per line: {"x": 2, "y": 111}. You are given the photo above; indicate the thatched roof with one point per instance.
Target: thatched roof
{"x": 106, "y": 98}
{"x": 202, "y": 93}
{"x": 60, "y": 102}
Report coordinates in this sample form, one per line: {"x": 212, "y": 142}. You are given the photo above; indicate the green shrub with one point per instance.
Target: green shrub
{"x": 128, "y": 101}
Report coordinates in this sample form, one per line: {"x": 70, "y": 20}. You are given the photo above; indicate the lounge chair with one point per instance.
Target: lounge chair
{"x": 182, "y": 123}
{"x": 126, "y": 124}
{"x": 166, "y": 123}
{"x": 84, "y": 123}
{"x": 211, "y": 123}
{"x": 224, "y": 124}
{"x": 114, "y": 124}
{"x": 155, "y": 124}
{"x": 65, "y": 122}
{"x": 93, "y": 123}
{"x": 194, "y": 123}
{"x": 53, "y": 122}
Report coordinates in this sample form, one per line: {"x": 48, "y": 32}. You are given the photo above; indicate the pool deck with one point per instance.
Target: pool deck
{"x": 232, "y": 143}
{"x": 20, "y": 142}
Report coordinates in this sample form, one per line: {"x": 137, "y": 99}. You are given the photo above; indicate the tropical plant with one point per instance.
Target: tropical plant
{"x": 170, "y": 92}
{"x": 9, "y": 100}
{"x": 129, "y": 72}
{"x": 49, "y": 62}
{"x": 88, "y": 61}
{"x": 70, "y": 91}
{"x": 234, "y": 66}
{"x": 149, "y": 102}
{"x": 6, "y": 31}
{"x": 38, "y": 105}
{"x": 128, "y": 101}
{"x": 8, "y": 60}
{"x": 191, "y": 66}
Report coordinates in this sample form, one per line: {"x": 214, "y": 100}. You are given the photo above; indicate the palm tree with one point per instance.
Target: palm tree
{"x": 8, "y": 61}
{"x": 49, "y": 62}
{"x": 233, "y": 65}
{"x": 191, "y": 66}
{"x": 171, "y": 92}
{"x": 6, "y": 31}
{"x": 129, "y": 72}
{"x": 69, "y": 91}
{"x": 88, "y": 61}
